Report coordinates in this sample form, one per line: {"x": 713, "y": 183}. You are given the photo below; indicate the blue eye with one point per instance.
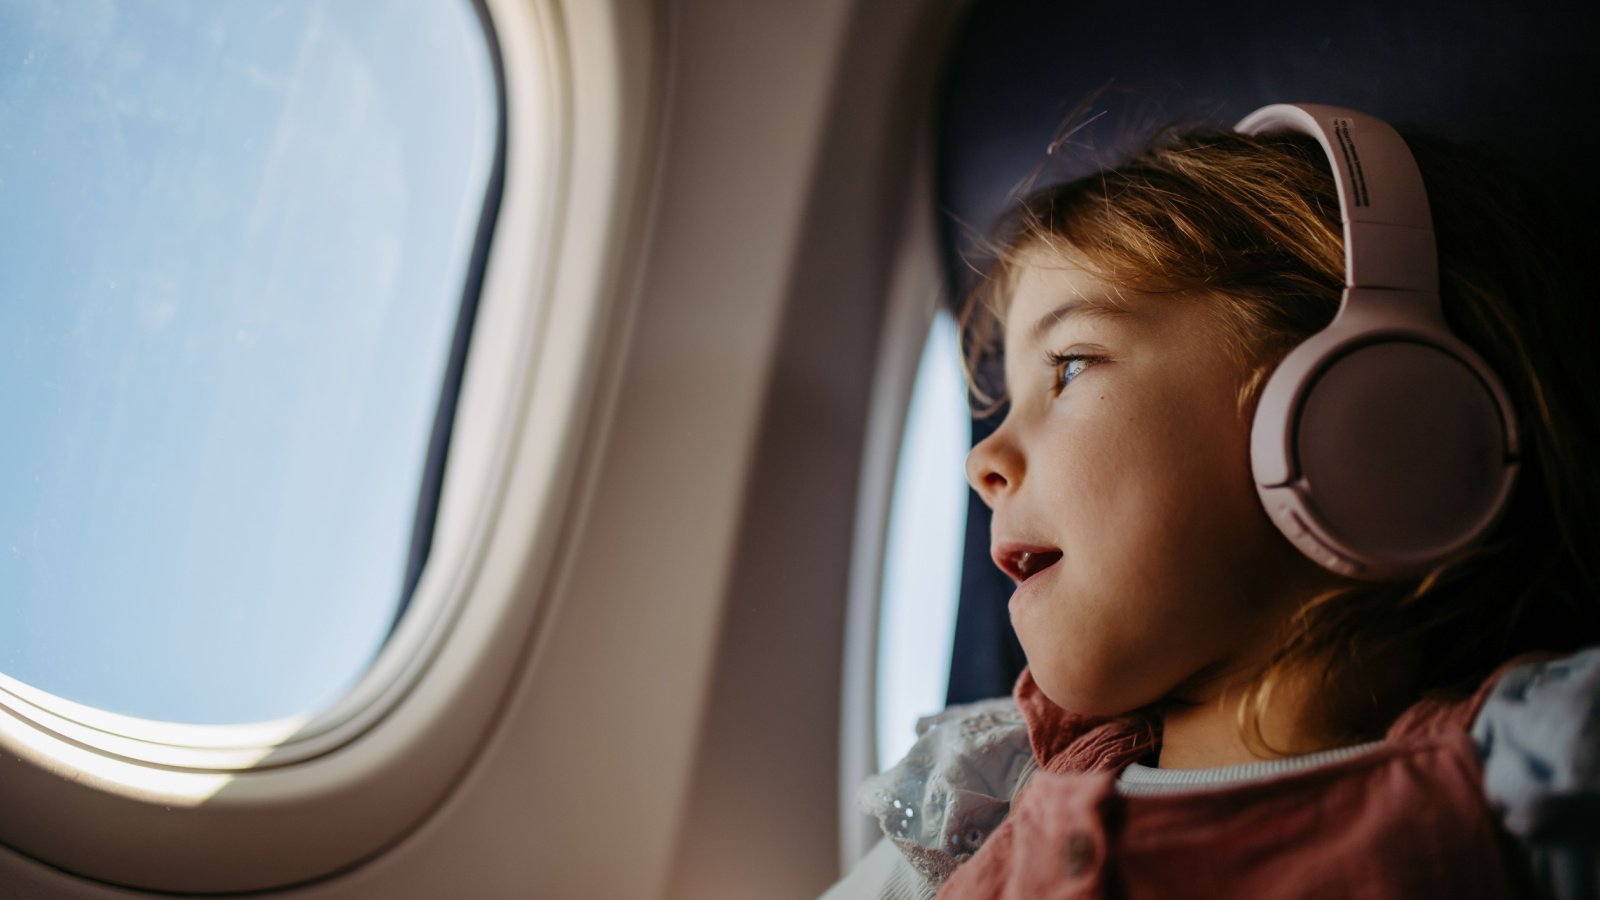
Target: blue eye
{"x": 1067, "y": 366}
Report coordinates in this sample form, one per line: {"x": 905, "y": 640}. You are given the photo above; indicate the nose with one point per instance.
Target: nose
{"x": 994, "y": 466}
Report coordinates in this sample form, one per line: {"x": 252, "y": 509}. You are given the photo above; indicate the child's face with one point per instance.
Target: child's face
{"x": 1136, "y": 474}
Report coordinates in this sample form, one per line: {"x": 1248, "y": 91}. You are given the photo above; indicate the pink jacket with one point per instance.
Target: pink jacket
{"x": 1408, "y": 819}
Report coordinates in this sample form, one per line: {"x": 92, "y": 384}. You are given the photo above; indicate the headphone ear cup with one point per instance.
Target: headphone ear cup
{"x": 1398, "y": 454}
{"x": 1382, "y": 445}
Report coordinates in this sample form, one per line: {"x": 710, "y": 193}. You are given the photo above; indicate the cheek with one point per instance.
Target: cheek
{"x": 1185, "y": 529}
{"x": 1133, "y": 486}
{"x": 1162, "y": 524}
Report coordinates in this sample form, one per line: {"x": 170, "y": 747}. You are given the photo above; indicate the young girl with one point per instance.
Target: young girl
{"x": 1224, "y": 697}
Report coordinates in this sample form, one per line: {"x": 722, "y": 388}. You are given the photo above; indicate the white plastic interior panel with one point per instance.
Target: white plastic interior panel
{"x": 636, "y": 687}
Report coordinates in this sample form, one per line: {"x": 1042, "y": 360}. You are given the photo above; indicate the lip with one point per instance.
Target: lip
{"x": 1018, "y": 559}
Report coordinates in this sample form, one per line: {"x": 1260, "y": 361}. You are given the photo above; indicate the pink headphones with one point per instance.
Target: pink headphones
{"x": 1382, "y": 444}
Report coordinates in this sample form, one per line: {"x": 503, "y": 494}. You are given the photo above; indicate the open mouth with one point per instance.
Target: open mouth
{"x": 1022, "y": 563}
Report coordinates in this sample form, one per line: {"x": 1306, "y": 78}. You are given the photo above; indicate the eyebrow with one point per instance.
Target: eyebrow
{"x": 1074, "y": 307}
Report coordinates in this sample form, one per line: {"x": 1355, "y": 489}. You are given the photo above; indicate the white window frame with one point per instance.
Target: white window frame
{"x": 251, "y": 807}
{"x": 915, "y": 295}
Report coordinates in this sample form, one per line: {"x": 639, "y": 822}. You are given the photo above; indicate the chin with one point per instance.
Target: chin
{"x": 1088, "y": 696}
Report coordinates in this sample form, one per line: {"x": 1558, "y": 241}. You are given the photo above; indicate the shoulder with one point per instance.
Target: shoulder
{"x": 1538, "y": 735}
{"x": 954, "y": 786}
{"x": 883, "y": 874}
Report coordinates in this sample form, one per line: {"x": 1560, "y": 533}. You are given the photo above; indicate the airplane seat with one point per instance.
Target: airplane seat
{"x": 1501, "y": 74}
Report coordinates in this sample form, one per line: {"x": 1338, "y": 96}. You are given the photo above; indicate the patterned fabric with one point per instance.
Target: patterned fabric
{"x": 954, "y": 786}
{"x": 1408, "y": 819}
{"x": 1429, "y": 809}
{"x": 883, "y": 874}
{"x": 1539, "y": 737}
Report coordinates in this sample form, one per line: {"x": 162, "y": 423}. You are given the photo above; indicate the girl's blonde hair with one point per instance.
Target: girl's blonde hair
{"x": 1250, "y": 224}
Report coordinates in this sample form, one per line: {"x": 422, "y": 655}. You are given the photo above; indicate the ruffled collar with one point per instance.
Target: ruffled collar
{"x": 1068, "y": 742}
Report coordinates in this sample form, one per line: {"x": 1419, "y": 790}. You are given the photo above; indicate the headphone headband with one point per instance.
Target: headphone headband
{"x": 1388, "y": 230}
{"x": 1382, "y": 445}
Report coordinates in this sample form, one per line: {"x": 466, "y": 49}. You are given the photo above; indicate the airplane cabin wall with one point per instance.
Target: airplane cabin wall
{"x": 673, "y": 727}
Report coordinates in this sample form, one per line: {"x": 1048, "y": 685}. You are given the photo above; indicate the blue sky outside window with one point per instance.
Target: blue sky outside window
{"x": 235, "y": 239}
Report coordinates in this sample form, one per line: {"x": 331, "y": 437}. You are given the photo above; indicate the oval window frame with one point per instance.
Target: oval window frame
{"x": 916, "y": 294}
{"x": 230, "y": 808}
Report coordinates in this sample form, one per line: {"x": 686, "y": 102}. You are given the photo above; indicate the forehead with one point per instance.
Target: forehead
{"x": 1050, "y": 288}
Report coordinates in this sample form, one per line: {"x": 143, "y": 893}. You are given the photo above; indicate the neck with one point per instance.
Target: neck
{"x": 1208, "y": 734}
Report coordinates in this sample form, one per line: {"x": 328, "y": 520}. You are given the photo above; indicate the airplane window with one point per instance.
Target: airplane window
{"x": 238, "y": 237}
{"x": 922, "y": 573}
